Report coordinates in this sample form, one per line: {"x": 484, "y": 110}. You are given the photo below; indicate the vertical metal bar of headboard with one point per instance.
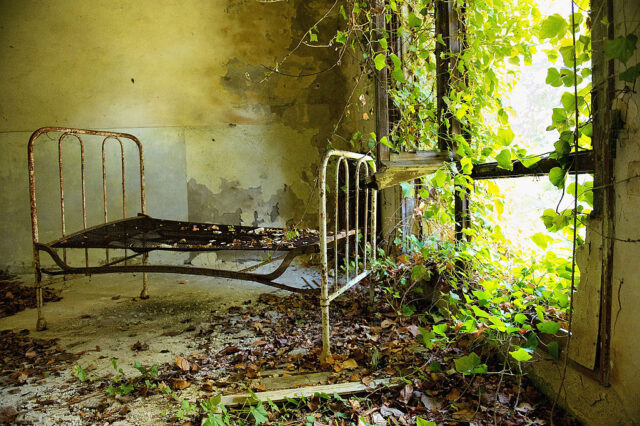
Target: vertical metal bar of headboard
{"x": 324, "y": 278}
{"x": 104, "y": 184}
{"x": 357, "y": 216}
{"x": 341, "y": 161}
{"x": 84, "y": 200}
{"x": 143, "y": 208}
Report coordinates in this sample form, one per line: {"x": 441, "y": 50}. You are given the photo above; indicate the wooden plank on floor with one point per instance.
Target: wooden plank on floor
{"x": 292, "y": 381}
{"x": 307, "y": 391}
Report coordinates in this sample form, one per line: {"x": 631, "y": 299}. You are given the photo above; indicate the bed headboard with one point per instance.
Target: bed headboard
{"x": 77, "y": 135}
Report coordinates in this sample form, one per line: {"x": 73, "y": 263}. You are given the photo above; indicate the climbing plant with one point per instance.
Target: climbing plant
{"x": 496, "y": 289}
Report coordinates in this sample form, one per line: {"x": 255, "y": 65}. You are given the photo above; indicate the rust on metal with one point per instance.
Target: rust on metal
{"x": 326, "y": 297}
{"x": 104, "y": 184}
{"x": 77, "y": 133}
{"x": 143, "y": 234}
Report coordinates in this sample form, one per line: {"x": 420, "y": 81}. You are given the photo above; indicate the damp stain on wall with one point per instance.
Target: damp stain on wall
{"x": 236, "y": 205}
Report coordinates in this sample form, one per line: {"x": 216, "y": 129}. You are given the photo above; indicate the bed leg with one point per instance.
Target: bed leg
{"x": 371, "y": 295}
{"x": 144, "y": 294}
{"x": 41, "y": 324}
{"x": 326, "y": 345}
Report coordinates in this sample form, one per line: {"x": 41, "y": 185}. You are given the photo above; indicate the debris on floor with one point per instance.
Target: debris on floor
{"x": 16, "y": 297}
{"x": 270, "y": 346}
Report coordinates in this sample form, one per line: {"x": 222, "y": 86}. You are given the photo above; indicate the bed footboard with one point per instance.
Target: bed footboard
{"x": 347, "y": 273}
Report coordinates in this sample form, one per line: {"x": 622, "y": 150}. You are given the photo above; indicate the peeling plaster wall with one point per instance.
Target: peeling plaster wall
{"x": 618, "y": 404}
{"x": 222, "y": 143}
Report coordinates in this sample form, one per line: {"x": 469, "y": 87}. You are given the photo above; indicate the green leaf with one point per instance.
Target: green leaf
{"x": 467, "y": 165}
{"x": 384, "y": 141}
{"x": 568, "y": 101}
{"x": 587, "y": 130}
{"x": 520, "y": 318}
{"x": 548, "y": 327}
{"x": 383, "y": 43}
{"x": 541, "y": 240}
{"x": 417, "y": 272}
{"x": 505, "y": 136}
{"x": 528, "y": 162}
{"x": 553, "y": 26}
{"x": 630, "y": 74}
{"x": 341, "y": 37}
{"x": 440, "y": 178}
{"x": 80, "y": 373}
{"x": 440, "y": 329}
{"x": 562, "y": 148}
{"x": 621, "y": 48}
{"x": 557, "y": 176}
{"x": 408, "y": 310}
{"x": 479, "y": 312}
{"x": 397, "y": 63}
{"x": 567, "y": 55}
{"x": 469, "y": 364}
{"x": 435, "y": 367}
{"x": 520, "y": 355}
{"x": 414, "y": 20}
{"x": 428, "y": 337}
{"x": 313, "y": 37}
{"x": 260, "y": 414}
{"x": 554, "y": 350}
{"x": 343, "y": 13}
{"x": 422, "y": 422}
{"x": 380, "y": 61}
{"x": 504, "y": 159}
{"x": 553, "y": 77}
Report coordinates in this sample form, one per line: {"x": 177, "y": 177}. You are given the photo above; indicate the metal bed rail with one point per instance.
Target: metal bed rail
{"x": 365, "y": 241}
{"x": 78, "y": 134}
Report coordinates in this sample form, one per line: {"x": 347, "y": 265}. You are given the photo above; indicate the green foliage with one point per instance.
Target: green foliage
{"x": 504, "y": 159}
{"x": 470, "y": 364}
{"x": 79, "y": 372}
{"x": 621, "y": 48}
{"x": 549, "y": 327}
{"x": 520, "y": 354}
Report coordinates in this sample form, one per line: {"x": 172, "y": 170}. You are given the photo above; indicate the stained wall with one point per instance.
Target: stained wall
{"x": 222, "y": 142}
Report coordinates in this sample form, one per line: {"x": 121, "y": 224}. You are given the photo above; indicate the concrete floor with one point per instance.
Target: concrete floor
{"x": 103, "y": 311}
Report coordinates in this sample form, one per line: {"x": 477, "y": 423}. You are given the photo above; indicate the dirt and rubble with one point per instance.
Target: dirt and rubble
{"x": 109, "y": 357}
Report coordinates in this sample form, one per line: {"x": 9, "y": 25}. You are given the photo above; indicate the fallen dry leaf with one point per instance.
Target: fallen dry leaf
{"x": 182, "y": 363}
{"x": 387, "y": 323}
{"x": 454, "y": 394}
{"x": 406, "y": 393}
{"x": 179, "y": 384}
{"x": 465, "y": 415}
{"x": 349, "y": 364}
{"x": 229, "y": 350}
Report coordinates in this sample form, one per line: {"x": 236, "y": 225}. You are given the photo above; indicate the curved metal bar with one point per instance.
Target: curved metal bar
{"x": 322, "y": 218}
{"x": 67, "y": 131}
{"x": 82, "y": 178}
{"x": 104, "y": 184}
{"x": 341, "y": 161}
{"x": 357, "y": 214}
{"x": 266, "y": 279}
{"x": 104, "y": 178}
{"x": 84, "y": 205}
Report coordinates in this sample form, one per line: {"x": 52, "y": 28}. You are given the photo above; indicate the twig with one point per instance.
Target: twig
{"x": 575, "y": 216}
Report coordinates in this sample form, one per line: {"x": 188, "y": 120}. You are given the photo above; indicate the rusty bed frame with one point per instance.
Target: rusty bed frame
{"x": 142, "y": 234}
